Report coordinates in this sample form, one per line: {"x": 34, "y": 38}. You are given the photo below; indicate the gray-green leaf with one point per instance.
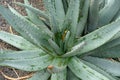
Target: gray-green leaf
{"x": 40, "y": 75}
{"x": 99, "y": 37}
{"x": 16, "y": 41}
{"x": 85, "y": 72}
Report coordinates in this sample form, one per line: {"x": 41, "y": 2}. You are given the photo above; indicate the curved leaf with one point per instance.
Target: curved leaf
{"x": 100, "y": 70}
{"x": 27, "y": 64}
{"x": 27, "y": 29}
{"x": 108, "y": 12}
{"x": 99, "y": 37}
{"x": 14, "y": 55}
{"x": 74, "y": 50}
{"x": 111, "y": 44}
{"x": 56, "y": 14}
{"x": 72, "y": 15}
{"x": 83, "y": 19}
{"x": 71, "y": 20}
{"x": 35, "y": 18}
{"x": 31, "y": 15}
{"x": 109, "y": 53}
{"x": 110, "y": 49}
{"x": 55, "y": 47}
{"x": 107, "y": 65}
{"x": 93, "y": 15}
{"x": 113, "y": 52}
{"x": 85, "y": 72}
{"x": 16, "y": 41}
{"x": 36, "y": 11}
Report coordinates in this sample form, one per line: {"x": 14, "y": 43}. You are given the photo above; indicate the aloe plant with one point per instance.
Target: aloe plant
{"x": 69, "y": 40}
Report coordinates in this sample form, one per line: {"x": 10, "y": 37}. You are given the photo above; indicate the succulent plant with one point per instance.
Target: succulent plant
{"x": 69, "y": 40}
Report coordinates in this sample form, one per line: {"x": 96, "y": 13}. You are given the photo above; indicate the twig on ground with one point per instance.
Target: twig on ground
{"x": 20, "y": 78}
{"x": 15, "y": 72}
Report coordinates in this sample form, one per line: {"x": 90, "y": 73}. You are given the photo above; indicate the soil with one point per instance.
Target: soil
{"x": 11, "y": 72}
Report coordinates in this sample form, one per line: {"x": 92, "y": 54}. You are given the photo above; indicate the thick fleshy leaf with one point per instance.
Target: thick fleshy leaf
{"x": 27, "y": 29}
{"x": 27, "y": 63}
{"x": 107, "y": 48}
{"x": 55, "y": 10}
{"x": 99, "y": 37}
{"x": 14, "y": 55}
{"x": 111, "y": 44}
{"x": 113, "y": 52}
{"x": 93, "y": 15}
{"x": 100, "y": 70}
{"x": 60, "y": 14}
{"x": 71, "y": 75}
{"x": 59, "y": 11}
{"x": 56, "y": 13}
{"x": 74, "y": 50}
{"x": 36, "y": 19}
{"x": 85, "y": 72}
{"x": 72, "y": 15}
{"x": 108, "y": 12}
{"x": 55, "y": 47}
{"x": 59, "y": 76}
{"x": 71, "y": 20}
{"x": 109, "y": 66}
{"x": 40, "y": 75}
{"x": 36, "y": 11}
{"x": 32, "y": 16}
{"x": 16, "y": 41}
{"x": 83, "y": 19}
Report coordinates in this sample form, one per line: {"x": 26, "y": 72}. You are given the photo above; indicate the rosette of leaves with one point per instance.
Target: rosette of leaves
{"x": 69, "y": 40}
